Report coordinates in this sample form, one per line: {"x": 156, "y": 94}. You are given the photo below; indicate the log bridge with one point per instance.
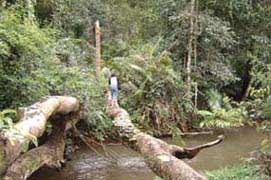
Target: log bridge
{"x": 164, "y": 159}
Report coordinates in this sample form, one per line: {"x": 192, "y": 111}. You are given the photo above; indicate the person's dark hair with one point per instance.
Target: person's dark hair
{"x": 113, "y": 75}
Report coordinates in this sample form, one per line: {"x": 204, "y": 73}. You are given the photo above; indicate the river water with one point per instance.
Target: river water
{"x": 128, "y": 165}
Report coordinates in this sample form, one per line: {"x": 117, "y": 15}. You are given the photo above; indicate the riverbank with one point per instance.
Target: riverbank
{"x": 237, "y": 172}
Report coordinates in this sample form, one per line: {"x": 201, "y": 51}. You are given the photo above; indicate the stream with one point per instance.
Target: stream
{"x": 129, "y": 165}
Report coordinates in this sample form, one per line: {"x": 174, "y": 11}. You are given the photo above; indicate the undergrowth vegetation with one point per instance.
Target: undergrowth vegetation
{"x": 243, "y": 171}
{"x": 223, "y": 112}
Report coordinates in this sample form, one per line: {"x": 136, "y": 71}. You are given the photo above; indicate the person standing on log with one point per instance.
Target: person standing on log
{"x": 114, "y": 90}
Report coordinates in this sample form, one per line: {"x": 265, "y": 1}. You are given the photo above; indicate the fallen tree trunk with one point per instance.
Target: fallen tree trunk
{"x": 32, "y": 125}
{"x": 50, "y": 154}
{"x": 162, "y": 158}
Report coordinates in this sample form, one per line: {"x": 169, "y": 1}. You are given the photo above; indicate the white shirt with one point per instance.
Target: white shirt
{"x": 113, "y": 82}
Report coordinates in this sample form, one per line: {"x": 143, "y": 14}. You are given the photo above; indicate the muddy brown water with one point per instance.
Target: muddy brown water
{"x": 129, "y": 165}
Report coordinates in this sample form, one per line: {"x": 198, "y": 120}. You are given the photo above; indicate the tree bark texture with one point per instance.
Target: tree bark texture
{"x": 32, "y": 125}
{"x": 49, "y": 154}
{"x": 164, "y": 159}
{"x": 98, "y": 47}
{"x": 190, "y": 49}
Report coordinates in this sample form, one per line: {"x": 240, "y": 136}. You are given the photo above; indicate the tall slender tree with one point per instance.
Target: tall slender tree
{"x": 190, "y": 49}
{"x": 195, "y": 51}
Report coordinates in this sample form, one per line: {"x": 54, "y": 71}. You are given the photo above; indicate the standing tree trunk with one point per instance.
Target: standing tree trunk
{"x": 162, "y": 158}
{"x": 32, "y": 125}
{"x": 190, "y": 50}
{"x": 195, "y": 64}
{"x": 98, "y": 47}
{"x": 195, "y": 51}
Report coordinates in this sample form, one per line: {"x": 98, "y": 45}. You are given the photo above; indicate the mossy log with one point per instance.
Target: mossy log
{"x": 32, "y": 124}
{"x": 164, "y": 159}
{"x": 50, "y": 154}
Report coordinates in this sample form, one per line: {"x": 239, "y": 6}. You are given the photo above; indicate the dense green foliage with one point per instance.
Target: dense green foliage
{"x": 25, "y": 58}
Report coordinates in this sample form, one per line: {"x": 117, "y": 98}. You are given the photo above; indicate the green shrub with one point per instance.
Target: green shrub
{"x": 26, "y": 54}
{"x": 222, "y": 114}
{"x": 238, "y": 172}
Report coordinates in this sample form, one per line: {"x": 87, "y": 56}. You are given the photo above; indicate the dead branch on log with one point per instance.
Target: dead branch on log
{"x": 189, "y": 153}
